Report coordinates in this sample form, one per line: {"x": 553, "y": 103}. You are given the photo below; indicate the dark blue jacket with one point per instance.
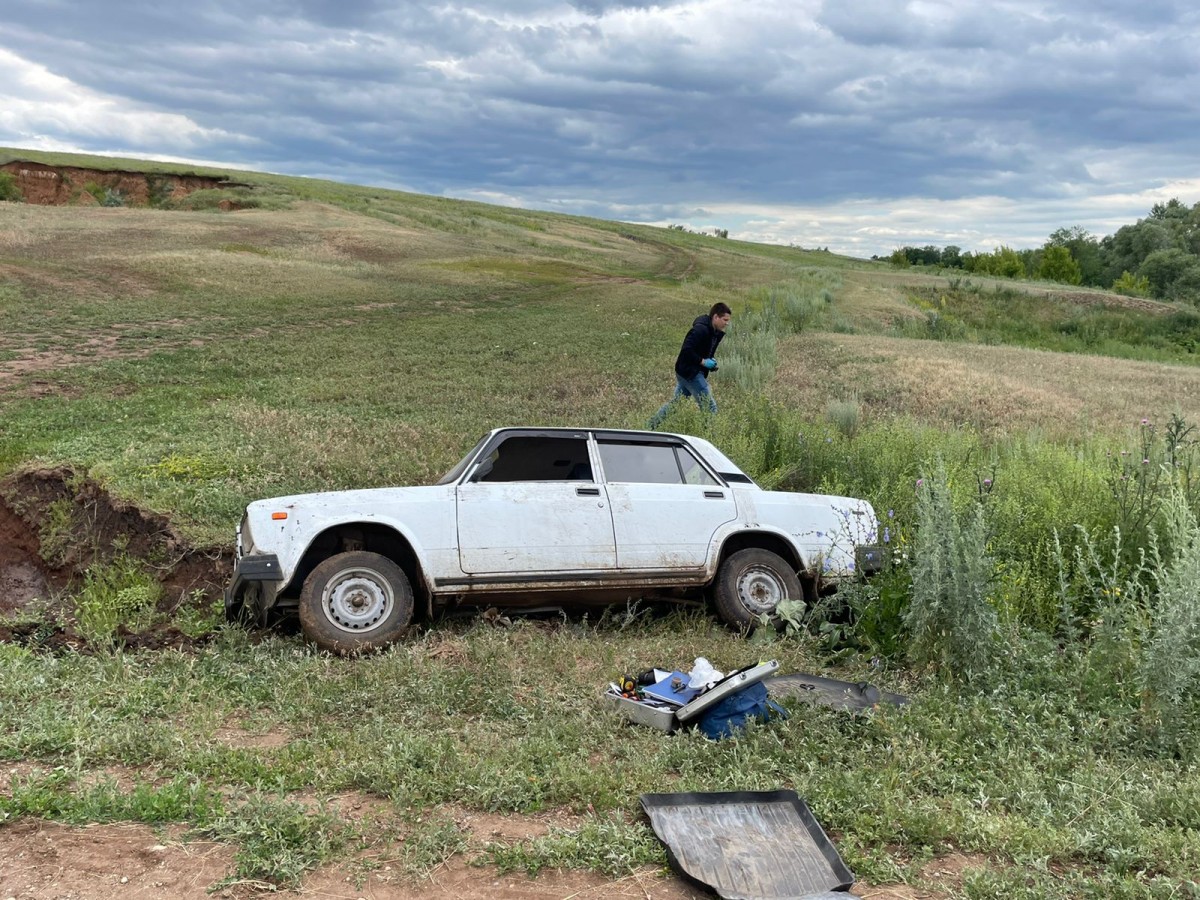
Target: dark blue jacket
{"x": 701, "y": 343}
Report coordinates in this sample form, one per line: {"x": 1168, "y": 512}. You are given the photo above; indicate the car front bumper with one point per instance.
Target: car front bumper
{"x": 257, "y": 567}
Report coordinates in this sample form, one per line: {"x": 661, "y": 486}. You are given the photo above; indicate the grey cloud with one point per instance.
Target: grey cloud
{"x": 649, "y": 106}
{"x": 600, "y": 7}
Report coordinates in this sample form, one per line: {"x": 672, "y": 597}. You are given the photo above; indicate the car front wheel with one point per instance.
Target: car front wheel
{"x": 750, "y": 584}
{"x": 355, "y": 602}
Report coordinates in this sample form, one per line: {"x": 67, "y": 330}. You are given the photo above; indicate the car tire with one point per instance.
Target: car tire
{"x": 750, "y": 584}
{"x": 355, "y": 602}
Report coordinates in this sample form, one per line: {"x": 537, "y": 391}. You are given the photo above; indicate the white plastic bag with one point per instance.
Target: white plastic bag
{"x": 703, "y": 674}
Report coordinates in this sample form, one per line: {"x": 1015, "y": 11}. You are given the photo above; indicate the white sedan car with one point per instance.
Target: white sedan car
{"x": 538, "y": 516}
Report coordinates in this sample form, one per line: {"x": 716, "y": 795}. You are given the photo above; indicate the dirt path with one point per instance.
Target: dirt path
{"x": 46, "y": 861}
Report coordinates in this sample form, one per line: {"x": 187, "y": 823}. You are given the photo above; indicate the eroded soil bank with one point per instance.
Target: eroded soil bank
{"x": 56, "y": 523}
{"x": 48, "y": 185}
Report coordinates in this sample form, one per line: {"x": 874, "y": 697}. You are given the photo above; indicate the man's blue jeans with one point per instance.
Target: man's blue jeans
{"x": 696, "y": 387}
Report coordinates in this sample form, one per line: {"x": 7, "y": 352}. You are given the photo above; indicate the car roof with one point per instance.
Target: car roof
{"x": 711, "y": 454}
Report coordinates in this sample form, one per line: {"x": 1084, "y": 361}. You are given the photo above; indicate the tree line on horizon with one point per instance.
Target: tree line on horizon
{"x": 1158, "y": 256}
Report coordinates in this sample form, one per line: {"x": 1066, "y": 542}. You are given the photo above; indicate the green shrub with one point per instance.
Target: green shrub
{"x": 1132, "y": 286}
{"x": 159, "y": 189}
{"x": 1140, "y": 480}
{"x": 750, "y": 360}
{"x": 750, "y": 356}
{"x": 8, "y": 187}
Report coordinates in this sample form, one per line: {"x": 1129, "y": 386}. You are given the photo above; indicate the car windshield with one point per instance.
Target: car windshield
{"x": 454, "y": 474}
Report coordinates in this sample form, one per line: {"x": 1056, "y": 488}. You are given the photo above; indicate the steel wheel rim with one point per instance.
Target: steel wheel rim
{"x": 356, "y": 600}
{"x": 760, "y": 589}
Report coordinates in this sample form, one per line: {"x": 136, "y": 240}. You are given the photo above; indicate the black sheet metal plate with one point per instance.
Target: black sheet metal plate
{"x": 831, "y": 692}
{"x": 749, "y": 845}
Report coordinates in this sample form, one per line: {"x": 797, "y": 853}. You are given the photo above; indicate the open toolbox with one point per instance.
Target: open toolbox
{"x": 668, "y": 715}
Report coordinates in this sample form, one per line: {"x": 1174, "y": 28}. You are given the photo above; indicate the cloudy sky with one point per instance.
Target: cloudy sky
{"x": 857, "y": 125}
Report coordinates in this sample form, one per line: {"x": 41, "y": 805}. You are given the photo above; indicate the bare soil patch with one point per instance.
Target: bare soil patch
{"x": 55, "y": 523}
{"x": 97, "y": 862}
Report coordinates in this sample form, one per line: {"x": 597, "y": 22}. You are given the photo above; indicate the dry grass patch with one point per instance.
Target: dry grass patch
{"x": 993, "y": 388}
{"x": 876, "y": 298}
{"x": 237, "y": 737}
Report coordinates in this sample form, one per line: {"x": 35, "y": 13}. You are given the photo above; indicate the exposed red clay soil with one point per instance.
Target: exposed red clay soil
{"x": 55, "y": 523}
{"x": 67, "y": 185}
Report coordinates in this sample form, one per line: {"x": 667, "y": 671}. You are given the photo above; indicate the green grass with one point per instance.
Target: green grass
{"x": 511, "y": 722}
{"x": 1056, "y": 323}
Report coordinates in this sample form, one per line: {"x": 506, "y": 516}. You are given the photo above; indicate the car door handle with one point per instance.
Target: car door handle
{"x": 588, "y": 492}
{"x": 714, "y": 495}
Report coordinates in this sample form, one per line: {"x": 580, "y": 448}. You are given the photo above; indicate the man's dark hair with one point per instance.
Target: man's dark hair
{"x": 720, "y": 309}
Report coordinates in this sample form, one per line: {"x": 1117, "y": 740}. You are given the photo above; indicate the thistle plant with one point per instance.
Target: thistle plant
{"x": 1143, "y": 478}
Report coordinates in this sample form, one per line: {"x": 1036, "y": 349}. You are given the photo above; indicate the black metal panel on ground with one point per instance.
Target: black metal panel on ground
{"x": 749, "y": 845}
{"x": 831, "y": 692}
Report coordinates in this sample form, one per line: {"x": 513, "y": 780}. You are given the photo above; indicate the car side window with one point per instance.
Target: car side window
{"x": 536, "y": 458}
{"x": 651, "y": 463}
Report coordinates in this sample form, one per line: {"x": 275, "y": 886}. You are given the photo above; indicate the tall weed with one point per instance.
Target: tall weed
{"x": 1170, "y": 663}
{"x": 1143, "y": 481}
{"x": 846, "y": 416}
{"x": 950, "y": 624}
{"x": 750, "y": 356}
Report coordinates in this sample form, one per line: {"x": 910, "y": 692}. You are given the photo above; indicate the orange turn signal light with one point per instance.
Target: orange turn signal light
{"x": 278, "y": 515}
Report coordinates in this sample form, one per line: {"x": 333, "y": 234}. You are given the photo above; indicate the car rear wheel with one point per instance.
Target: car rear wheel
{"x": 355, "y": 602}
{"x": 750, "y": 584}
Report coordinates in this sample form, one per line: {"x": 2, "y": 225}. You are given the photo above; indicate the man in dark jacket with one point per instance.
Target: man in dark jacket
{"x": 696, "y": 359}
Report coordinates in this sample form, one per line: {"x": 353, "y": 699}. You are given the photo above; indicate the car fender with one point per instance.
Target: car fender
{"x": 751, "y": 532}
{"x": 290, "y": 526}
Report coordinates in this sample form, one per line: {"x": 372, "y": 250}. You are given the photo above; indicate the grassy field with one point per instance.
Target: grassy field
{"x": 189, "y": 360}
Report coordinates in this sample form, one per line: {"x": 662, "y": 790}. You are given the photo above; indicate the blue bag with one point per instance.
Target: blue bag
{"x": 729, "y": 716}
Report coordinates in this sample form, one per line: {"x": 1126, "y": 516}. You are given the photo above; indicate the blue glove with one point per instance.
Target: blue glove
{"x": 709, "y": 364}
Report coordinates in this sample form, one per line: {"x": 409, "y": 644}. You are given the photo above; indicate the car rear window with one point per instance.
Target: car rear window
{"x": 651, "y": 463}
